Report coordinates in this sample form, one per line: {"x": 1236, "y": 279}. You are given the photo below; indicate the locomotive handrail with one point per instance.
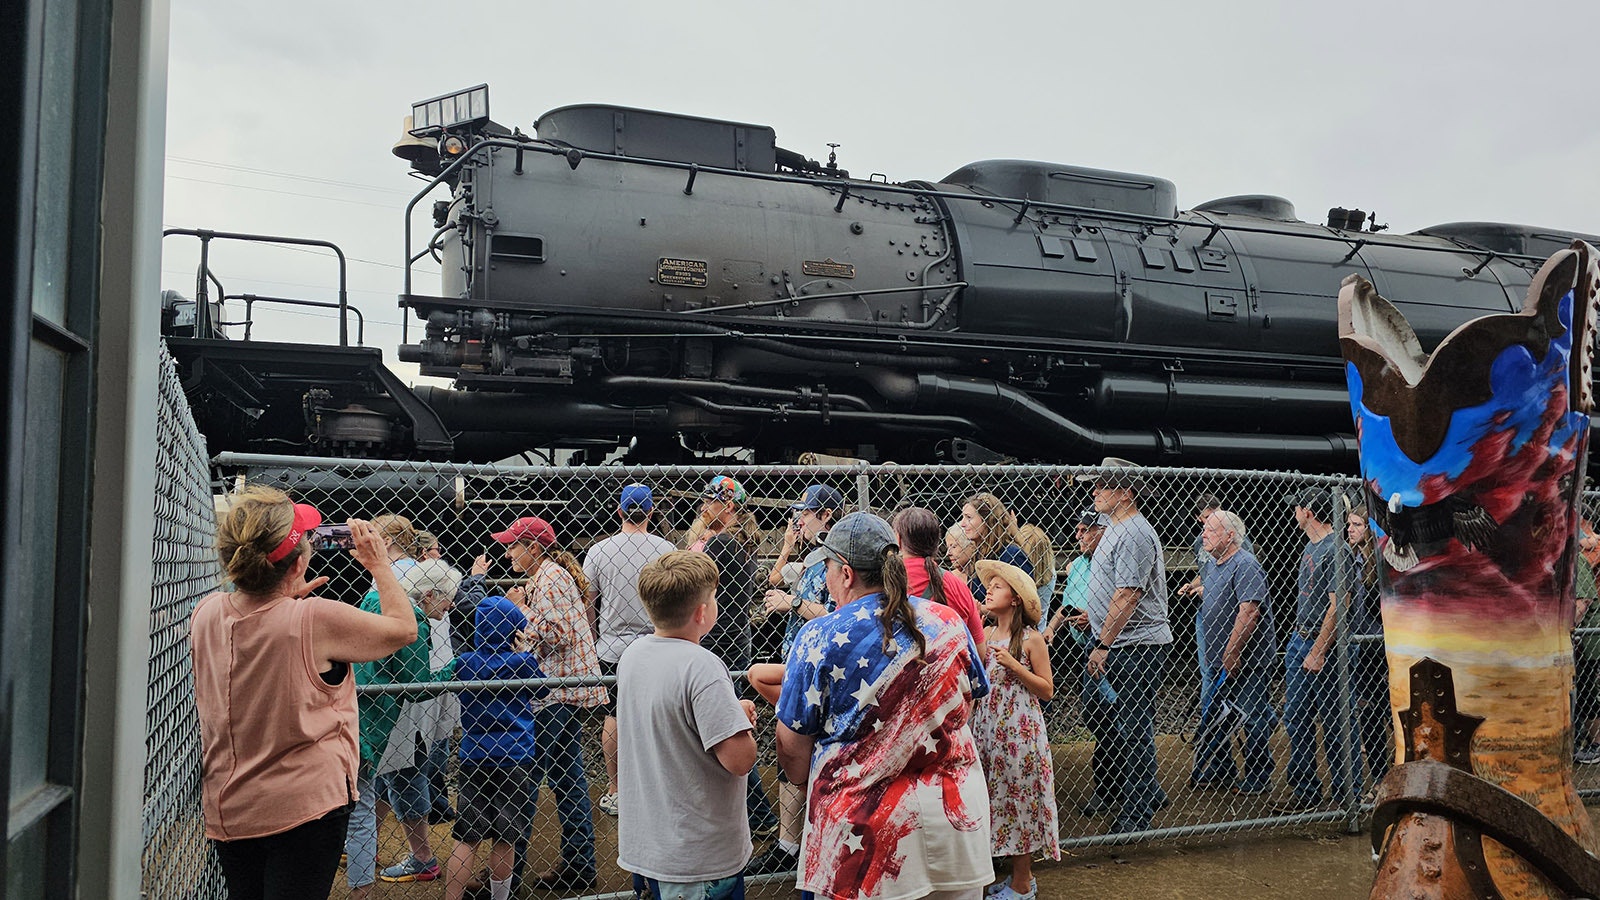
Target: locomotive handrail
{"x": 206, "y": 236}
{"x": 576, "y": 156}
{"x": 754, "y": 304}
{"x": 250, "y": 300}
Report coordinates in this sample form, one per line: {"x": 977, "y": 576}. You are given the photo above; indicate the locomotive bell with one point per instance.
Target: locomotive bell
{"x": 421, "y": 153}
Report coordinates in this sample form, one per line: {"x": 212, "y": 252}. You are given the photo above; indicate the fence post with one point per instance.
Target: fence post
{"x": 863, "y": 489}
{"x": 1345, "y": 592}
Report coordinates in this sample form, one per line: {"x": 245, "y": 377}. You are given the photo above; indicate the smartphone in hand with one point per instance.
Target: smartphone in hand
{"x": 332, "y": 537}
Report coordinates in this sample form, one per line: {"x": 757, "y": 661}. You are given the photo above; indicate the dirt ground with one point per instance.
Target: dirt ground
{"x": 1320, "y": 859}
{"x": 1322, "y": 864}
{"x": 1315, "y": 862}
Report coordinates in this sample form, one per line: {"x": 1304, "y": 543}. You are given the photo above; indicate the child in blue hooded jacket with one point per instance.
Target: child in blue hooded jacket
{"x": 497, "y": 776}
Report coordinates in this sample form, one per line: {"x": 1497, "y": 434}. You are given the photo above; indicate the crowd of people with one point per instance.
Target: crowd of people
{"x": 908, "y": 697}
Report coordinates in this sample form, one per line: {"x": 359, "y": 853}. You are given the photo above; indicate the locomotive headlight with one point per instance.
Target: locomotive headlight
{"x": 453, "y": 146}
{"x": 464, "y": 107}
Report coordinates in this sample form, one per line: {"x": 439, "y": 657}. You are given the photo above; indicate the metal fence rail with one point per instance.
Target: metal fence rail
{"x": 464, "y": 505}
{"x": 177, "y": 862}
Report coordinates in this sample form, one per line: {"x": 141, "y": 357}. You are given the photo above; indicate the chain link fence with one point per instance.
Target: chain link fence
{"x": 177, "y": 863}
{"x": 1267, "y": 753}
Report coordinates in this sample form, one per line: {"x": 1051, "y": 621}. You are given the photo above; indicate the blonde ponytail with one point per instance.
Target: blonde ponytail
{"x": 257, "y": 520}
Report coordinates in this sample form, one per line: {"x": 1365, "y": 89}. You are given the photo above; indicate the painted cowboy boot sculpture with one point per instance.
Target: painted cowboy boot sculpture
{"x": 1473, "y": 457}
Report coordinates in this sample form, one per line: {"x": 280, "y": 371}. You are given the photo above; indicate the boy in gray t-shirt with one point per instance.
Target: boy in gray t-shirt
{"x": 685, "y": 743}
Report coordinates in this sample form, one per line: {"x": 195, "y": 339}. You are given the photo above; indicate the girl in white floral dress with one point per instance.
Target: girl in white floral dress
{"x": 1010, "y": 732}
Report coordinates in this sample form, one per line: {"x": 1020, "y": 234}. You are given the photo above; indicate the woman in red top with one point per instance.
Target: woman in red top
{"x": 920, "y": 536}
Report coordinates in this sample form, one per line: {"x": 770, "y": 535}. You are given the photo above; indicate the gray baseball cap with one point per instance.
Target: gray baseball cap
{"x": 859, "y": 541}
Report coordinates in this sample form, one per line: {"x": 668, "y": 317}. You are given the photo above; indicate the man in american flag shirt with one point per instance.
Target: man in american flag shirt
{"x": 898, "y": 806}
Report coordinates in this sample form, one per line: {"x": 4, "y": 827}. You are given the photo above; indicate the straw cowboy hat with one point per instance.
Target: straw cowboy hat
{"x": 1021, "y": 584}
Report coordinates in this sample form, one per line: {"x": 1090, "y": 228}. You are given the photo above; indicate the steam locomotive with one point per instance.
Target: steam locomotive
{"x": 666, "y": 285}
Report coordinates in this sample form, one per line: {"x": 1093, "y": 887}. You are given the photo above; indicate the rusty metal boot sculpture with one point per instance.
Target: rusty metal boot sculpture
{"x": 1473, "y": 457}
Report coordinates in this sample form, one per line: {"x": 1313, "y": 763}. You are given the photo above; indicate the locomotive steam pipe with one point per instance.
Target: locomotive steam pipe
{"x": 985, "y": 400}
{"x": 936, "y": 424}
{"x": 521, "y": 326}
{"x": 1136, "y": 397}
{"x": 982, "y": 396}
{"x": 759, "y": 304}
{"x": 485, "y": 411}
{"x": 681, "y": 385}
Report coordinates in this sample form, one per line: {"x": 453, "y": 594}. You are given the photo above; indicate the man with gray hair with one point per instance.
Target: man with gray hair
{"x": 421, "y": 731}
{"x": 1235, "y": 632}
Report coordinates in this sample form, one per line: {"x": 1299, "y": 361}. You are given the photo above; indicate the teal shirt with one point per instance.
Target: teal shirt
{"x": 1076, "y": 591}
{"x": 379, "y": 712}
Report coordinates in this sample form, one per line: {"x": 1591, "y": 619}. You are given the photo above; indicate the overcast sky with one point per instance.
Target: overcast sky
{"x": 281, "y": 115}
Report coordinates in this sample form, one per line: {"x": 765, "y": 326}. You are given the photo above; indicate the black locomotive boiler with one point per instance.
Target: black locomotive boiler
{"x": 673, "y": 285}
{"x": 668, "y": 279}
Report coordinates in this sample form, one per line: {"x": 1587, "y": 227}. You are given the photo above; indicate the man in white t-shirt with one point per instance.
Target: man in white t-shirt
{"x": 612, "y": 567}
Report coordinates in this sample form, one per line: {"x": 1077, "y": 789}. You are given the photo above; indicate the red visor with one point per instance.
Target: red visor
{"x": 305, "y": 518}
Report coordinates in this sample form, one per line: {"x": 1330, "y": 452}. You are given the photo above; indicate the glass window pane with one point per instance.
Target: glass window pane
{"x": 25, "y": 863}
{"x": 53, "y": 181}
{"x": 29, "y": 618}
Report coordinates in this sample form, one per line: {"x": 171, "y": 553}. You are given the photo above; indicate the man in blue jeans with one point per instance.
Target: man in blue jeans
{"x": 1311, "y": 691}
{"x": 1126, "y": 616}
{"x": 1236, "y": 635}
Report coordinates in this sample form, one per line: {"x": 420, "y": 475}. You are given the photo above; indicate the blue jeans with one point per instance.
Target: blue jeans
{"x": 757, "y": 807}
{"x": 1247, "y": 690}
{"x": 408, "y": 793}
{"x": 731, "y": 888}
{"x": 361, "y": 835}
{"x": 1124, "y": 758}
{"x": 1309, "y": 697}
{"x": 560, "y": 761}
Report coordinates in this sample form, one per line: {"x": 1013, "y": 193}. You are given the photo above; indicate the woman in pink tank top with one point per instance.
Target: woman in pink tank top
{"x": 919, "y": 533}
{"x": 277, "y": 704}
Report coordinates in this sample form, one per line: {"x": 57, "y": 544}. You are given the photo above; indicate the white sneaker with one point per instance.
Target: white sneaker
{"x": 1010, "y": 893}
{"x": 608, "y": 803}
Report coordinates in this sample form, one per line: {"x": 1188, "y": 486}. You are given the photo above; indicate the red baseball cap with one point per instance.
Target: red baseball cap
{"x": 528, "y": 528}
{"x": 306, "y": 518}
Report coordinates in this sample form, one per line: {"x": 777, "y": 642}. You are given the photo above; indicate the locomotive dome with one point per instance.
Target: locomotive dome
{"x": 1054, "y": 183}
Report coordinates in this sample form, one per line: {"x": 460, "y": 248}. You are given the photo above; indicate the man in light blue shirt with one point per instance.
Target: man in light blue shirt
{"x": 1075, "y": 592}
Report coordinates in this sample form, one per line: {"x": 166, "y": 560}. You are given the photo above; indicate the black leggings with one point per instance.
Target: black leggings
{"x": 298, "y": 863}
